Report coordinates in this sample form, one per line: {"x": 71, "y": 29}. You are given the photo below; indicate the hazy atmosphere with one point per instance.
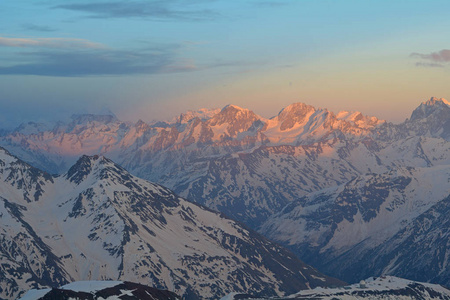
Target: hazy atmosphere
{"x": 224, "y": 149}
{"x": 155, "y": 59}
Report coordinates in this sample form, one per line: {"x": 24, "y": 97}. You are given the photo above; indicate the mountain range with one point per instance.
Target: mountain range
{"x": 237, "y": 162}
{"x": 350, "y": 194}
{"x": 98, "y": 222}
{"x": 205, "y": 156}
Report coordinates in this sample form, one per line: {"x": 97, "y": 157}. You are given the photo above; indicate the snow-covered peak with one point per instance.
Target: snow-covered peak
{"x": 93, "y": 169}
{"x": 295, "y": 107}
{"x": 235, "y": 107}
{"x": 141, "y": 126}
{"x": 434, "y": 101}
{"x": 230, "y": 112}
{"x": 358, "y": 119}
{"x": 431, "y": 107}
{"x": 232, "y": 120}
{"x": 292, "y": 117}
{"x": 85, "y": 166}
{"x": 202, "y": 113}
{"x": 349, "y": 115}
{"x": 300, "y": 123}
{"x": 295, "y": 111}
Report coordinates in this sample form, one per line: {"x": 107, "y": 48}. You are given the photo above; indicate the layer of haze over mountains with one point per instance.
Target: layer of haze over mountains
{"x": 153, "y": 59}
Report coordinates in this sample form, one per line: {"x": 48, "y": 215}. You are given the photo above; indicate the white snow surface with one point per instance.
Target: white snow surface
{"x": 77, "y": 286}
{"x": 202, "y": 113}
{"x": 90, "y": 286}
{"x": 35, "y": 294}
{"x": 384, "y": 283}
{"x": 230, "y": 296}
{"x": 389, "y": 285}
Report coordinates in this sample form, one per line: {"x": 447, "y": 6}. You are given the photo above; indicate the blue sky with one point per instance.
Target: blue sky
{"x": 155, "y": 59}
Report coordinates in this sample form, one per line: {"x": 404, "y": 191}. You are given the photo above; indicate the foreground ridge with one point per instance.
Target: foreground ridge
{"x": 383, "y": 288}
{"x": 90, "y": 290}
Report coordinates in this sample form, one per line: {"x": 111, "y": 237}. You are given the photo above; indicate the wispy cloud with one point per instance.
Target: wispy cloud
{"x": 99, "y": 62}
{"x": 435, "y": 59}
{"x": 41, "y": 28}
{"x": 158, "y": 10}
{"x": 441, "y": 56}
{"x": 62, "y": 43}
{"x": 429, "y": 65}
{"x": 62, "y": 57}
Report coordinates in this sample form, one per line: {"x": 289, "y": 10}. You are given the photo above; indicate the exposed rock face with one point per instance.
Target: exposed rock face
{"x": 394, "y": 223}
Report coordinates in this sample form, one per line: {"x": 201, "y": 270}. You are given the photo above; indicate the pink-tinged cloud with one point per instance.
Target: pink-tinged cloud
{"x": 437, "y": 57}
{"x": 430, "y": 65}
{"x": 62, "y": 43}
